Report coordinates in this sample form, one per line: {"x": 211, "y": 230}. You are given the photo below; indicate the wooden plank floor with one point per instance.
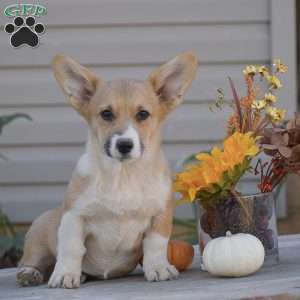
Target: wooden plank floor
{"x": 192, "y": 284}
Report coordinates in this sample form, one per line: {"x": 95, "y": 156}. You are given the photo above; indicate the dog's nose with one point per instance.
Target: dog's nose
{"x": 124, "y": 146}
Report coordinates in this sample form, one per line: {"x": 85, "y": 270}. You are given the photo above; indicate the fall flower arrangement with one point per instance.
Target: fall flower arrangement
{"x": 255, "y": 126}
{"x": 252, "y": 128}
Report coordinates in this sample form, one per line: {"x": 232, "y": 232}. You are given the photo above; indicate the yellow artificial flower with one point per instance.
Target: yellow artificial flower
{"x": 259, "y": 104}
{"x": 240, "y": 145}
{"x": 280, "y": 67}
{"x": 274, "y": 82}
{"x": 212, "y": 166}
{"x": 263, "y": 71}
{"x": 276, "y": 115}
{"x": 269, "y": 97}
{"x": 250, "y": 70}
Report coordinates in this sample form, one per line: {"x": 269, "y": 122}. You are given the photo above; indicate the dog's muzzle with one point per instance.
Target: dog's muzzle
{"x": 125, "y": 145}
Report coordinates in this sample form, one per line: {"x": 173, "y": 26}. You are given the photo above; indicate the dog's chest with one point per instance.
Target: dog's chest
{"x": 113, "y": 245}
{"x": 113, "y": 234}
{"x": 122, "y": 195}
{"x": 116, "y": 219}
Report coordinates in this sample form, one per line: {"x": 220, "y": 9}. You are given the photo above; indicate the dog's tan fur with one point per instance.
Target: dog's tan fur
{"x": 114, "y": 212}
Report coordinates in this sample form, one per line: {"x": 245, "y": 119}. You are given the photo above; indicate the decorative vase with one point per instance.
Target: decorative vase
{"x": 254, "y": 214}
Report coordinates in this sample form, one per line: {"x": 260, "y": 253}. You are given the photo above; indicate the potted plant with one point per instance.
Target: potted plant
{"x": 255, "y": 126}
{"x": 11, "y": 242}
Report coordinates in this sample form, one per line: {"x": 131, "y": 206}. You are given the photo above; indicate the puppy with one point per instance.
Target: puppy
{"x": 118, "y": 206}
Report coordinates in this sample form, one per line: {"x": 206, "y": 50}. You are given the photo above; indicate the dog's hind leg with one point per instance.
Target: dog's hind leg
{"x": 39, "y": 249}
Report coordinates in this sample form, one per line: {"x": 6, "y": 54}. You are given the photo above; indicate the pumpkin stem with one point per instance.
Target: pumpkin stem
{"x": 228, "y": 233}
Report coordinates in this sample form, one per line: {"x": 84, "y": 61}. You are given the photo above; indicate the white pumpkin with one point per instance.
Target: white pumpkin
{"x": 233, "y": 255}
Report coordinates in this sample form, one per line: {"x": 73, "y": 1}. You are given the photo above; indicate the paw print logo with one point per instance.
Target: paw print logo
{"x": 24, "y": 32}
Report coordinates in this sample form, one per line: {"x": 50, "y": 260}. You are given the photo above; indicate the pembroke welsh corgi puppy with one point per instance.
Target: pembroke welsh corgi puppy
{"x": 118, "y": 206}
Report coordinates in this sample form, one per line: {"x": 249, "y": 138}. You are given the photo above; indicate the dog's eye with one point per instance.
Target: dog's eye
{"x": 107, "y": 115}
{"x": 142, "y": 115}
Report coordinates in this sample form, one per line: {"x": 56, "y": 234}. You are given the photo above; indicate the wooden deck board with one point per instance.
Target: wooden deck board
{"x": 192, "y": 284}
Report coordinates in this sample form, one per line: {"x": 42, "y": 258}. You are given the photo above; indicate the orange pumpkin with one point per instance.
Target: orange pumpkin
{"x": 180, "y": 254}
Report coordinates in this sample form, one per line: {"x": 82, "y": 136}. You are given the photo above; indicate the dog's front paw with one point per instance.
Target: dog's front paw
{"x": 160, "y": 272}
{"x": 29, "y": 276}
{"x": 67, "y": 280}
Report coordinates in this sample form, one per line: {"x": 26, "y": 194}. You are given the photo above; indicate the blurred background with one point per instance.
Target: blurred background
{"x": 128, "y": 38}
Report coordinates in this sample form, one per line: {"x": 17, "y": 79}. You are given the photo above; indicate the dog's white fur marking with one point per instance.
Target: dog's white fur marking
{"x": 155, "y": 264}
{"x": 84, "y": 167}
{"x": 129, "y": 133}
{"x": 88, "y": 162}
{"x": 132, "y": 134}
{"x": 70, "y": 251}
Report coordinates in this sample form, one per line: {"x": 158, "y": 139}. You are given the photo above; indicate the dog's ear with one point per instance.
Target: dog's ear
{"x": 78, "y": 83}
{"x": 171, "y": 80}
